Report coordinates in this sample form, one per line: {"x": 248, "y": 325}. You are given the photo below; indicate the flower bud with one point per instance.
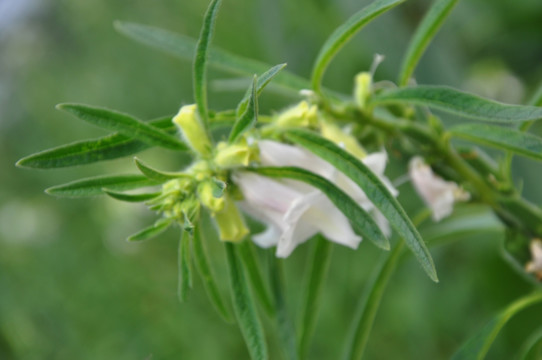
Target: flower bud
{"x": 211, "y": 196}
{"x": 363, "y": 89}
{"x": 192, "y": 130}
{"x": 301, "y": 115}
{"x": 339, "y": 136}
{"x": 231, "y": 226}
{"x": 235, "y": 155}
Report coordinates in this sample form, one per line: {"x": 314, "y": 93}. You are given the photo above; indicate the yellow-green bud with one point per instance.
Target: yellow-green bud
{"x": 363, "y": 89}
{"x": 337, "y": 135}
{"x": 231, "y": 226}
{"x": 301, "y": 115}
{"x": 207, "y": 192}
{"x": 192, "y": 130}
{"x": 235, "y": 155}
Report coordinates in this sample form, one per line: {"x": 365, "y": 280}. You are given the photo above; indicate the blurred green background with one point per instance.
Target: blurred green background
{"x": 72, "y": 288}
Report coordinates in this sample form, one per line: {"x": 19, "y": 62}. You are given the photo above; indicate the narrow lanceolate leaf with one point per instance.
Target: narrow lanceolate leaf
{"x": 459, "y": 103}
{"x": 207, "y": 276}
{"x": 157, "y": 175}
{"x": 131, "y": 197}
{"x": 249, "y": 116}
{"x": 245, "y": 309}
{"x": 502, "y": 138}
{"x": 315, "y": 277}
{"x": 363, "y": 223}
{"x": 373, "y": 188}
{"x": 152, "y": 231}
{"x": 477, "y": 347}
{"x": 184, "y": 266}
{"x": 343, "y": 33}
{"x": 425, "y": 32}
{"x": 200, "y": 60}
{"x": 263, "y": 80}
{"x": 94, "y": 186}
{"x": 124, "y": 124}
{"x": 184, "y": 47}
{"x": 532, "y": 348}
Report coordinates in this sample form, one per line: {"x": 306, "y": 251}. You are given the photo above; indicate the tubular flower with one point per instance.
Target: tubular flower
{"x": 294, "y": 211}
{"x": 438, "y": 194}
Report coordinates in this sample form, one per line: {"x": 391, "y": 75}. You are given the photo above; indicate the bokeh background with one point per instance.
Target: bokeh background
{"x": 72, "y": 288}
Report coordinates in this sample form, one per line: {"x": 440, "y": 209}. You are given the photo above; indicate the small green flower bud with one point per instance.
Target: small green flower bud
{"x": 192, "y": 130}
{"x": 363, "y": 89}
{"x": 301, "y": 115}
{"x": 235, "y": 155}
{"x": 207, "y": 192}
{"x": 339, "y": 136}
{"x": 231, "y": 226}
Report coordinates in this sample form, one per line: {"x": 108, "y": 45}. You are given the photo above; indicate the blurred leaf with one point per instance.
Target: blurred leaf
{"x": 154, "y": 230}
{"x": 459, "y": 103}
{"x": 204, "y": 268}
{"x": 131, "y": 197}
{"x": 245, "y": 309}
{"x": 536, "y": 99}
{"x": 532, "y": 348}
{"x": 185, "y": 48}
{"x": 184, "y": 266}
{"x": 94, "y": 186}
{"x": 375, "y": 190}
{"x": 502, "y": 138}
{"x": 360, "y": 219}
{"x": 313, "y": 287}
{"x": 477, "y": 346}
{"x": 343, "y": 33}
{"x": 249, "y": 116}
{"x": 200, "y": 61}
{"x": 159, "y": 176}
{"x": 425, "y": 32}
{"x": 124, "y": 124}
{"x": 263, "y": 80}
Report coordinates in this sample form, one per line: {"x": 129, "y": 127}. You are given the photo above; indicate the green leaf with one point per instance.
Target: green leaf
{"x": 459, "y": 103}
{"x": 94, "y": 186}
{"x": 131, "y": 197}
{"x": 502, "y": 138}
{"x": 124, "y": 124}
{"x": 184, "y": 266}
{"x": 153, "y": 174}
{"x": 244, "y": 307}
{"x": 363, "y": 223}
{"x": 200, "y": 60}
{"x": 185, "y": 48}
{"x": 263, "y": 80}
{"x": 315, "y": 275}
{"x": 152, "y": 231}
{"x": 250, "y": 261}
{"x": 207, "y": 276}
{"x": 425, "y": 32}
{"x": 249, "y": 117}
{"x": 368, "y": 306}
{"x": 373, "y": 188}
{"x": 477, "y": 346}
{"x": 532, "y": 348}
{"x": 343, "y": 33}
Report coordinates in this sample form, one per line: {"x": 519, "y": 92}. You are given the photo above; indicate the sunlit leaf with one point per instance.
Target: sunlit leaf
{"x": 94, "y": 186}
{"x": 152, "y": 231}
{"x": 425, "y": 32}
{"x": 249, "y": 116}
{"x": 375, "y": 190}
{"x": 362, "y": 222}
{"x": 343, "y": 33}
{"x": 459, "y": 103}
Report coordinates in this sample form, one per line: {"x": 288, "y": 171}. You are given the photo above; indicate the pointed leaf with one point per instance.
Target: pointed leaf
{"x": 263, "y": 80}
{"x": 157, "y": 175}
{"x": 343, "y": 33}
{"x": 425, "y": 32}
{"x": 362, "y": 222}
{"x": 185, "y": 48}
{"x": 502, "y": 138}
{"x": 244, "y": 307}
{"x": 184, "y": 266}
{"x": 131, "y": 197}
{"x": 375, "y": 190}
{"x": 200, "y": 60}
{"x": 459, "y": 103}
{"x": 207, "y": 276}
{"x": 124, "y": 124}
{"x": 94, "y": 186}
{"x": 249, "y": 117}
{"x": 477, "y": 346}
{"x": 152, "y": 231}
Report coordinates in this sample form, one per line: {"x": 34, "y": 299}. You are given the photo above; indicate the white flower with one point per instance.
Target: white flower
{"x": 294, "y": 211}
{"x": 438, "y": 194}
{"x": 535, "y": 266}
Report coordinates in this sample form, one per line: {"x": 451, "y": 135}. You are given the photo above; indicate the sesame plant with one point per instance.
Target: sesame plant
{"x": 316, "y": 172}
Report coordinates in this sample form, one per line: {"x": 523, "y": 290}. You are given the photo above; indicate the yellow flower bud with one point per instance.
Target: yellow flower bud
{"x": 231, "y": 226}
{"x": 234, "y": 155}
{"x": 363, "y": 89}
{"x": 301, "y": 115}
{"x": 192, "y": 130}
{"x": 207, "y": 193}
{"x": 337, "y": 135}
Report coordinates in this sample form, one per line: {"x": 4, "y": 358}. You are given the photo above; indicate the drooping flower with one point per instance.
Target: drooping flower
{"x": 294, "y": 211}
{"x": 438, "y": 194}
{"x": 535, "y": 266}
